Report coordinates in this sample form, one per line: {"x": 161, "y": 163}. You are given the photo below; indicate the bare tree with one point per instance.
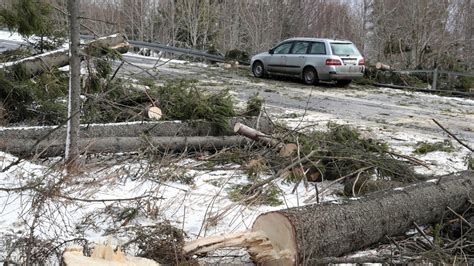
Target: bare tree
{"x": 195, "y": 18}
{"x": 404, "y": 33}
{"x": 470, "y": 35}
{"x": 370, "y": 51}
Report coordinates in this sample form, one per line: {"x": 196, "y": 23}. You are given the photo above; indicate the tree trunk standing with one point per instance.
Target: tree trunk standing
{"x": 370, "y": 50}
{"x": 470, "y": 36}
{"x": 315, "y": 231}
{"x": 74, "y": 100}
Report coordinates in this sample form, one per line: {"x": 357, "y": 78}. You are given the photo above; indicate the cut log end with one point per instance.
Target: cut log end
{"x": 281, "y": 234}
{"x": 155, "y": 113}
{"x": 383, "y": 67}
{"x": 237, "y": 127}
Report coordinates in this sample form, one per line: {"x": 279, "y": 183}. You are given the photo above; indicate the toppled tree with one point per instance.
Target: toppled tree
{"x": 304, "y": 235}
{"x": 35, "y": 65}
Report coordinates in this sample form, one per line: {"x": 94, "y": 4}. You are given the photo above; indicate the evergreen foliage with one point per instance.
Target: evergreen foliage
{"x": 343, "y": 151}
{"x": 28, "y": 17}
{"x": 32, "y": 17}
{"x": 181, "y": 100}
{"x": 38, "y": 100}
{"x": 254, "y": 105}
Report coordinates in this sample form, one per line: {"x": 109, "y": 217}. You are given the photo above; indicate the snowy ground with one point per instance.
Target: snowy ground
{"x": 201, "y": 208}
{"x": 84, "y": 206}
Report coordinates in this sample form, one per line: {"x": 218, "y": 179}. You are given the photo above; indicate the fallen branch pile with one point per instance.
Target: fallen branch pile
{"x": 341, "y": 154}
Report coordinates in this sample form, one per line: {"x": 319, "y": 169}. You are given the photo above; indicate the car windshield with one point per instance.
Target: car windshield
{"x": 344, "y": 49}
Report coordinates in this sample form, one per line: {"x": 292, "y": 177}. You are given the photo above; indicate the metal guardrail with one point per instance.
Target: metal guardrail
{"x": 176, "y": 50}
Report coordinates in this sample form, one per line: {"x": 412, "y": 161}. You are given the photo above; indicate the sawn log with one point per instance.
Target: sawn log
{"x": 303, "y": 235}
{"x": 125, "y": 137}
{"x": 126, "y": 144}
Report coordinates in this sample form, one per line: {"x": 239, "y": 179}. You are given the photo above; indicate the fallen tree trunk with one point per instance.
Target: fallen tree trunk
{"x": 125, "y": 137}
{"x": 285, "y": 150}
{"x": 255, "y": 135}
{"x": 382, "y": 67}
{"x": 59, "y": 58}
{"x": 304, "y": 235}
{"x": 134, "y": 129}
{"x": 123, "y": 144}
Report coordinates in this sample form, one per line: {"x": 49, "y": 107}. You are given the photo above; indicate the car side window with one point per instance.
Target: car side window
{"x": 317, "y": 48}
{"x": 300, "y": 48}
{"x": 283, "y": 48}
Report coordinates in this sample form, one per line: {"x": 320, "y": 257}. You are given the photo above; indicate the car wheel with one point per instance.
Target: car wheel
{"x": 343, "y": 82}
{"x": 310, "y": 76}
{"x": 258, "y": 69}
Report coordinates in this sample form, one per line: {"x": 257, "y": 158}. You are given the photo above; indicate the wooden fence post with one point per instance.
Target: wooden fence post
{"x": 435, "y": 79}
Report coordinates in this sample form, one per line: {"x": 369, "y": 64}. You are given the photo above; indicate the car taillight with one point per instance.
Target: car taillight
{"x": 362, "y": 62}
{"x": 333, "y": 62}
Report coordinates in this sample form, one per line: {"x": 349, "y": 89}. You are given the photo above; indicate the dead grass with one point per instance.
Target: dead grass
{"x": 426, "y": 147}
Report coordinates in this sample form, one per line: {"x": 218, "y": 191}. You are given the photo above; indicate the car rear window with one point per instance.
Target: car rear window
{"x": 344, "y": 49}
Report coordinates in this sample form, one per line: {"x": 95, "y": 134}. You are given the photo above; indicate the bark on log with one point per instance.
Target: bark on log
{"x": 123, "y": 137}
{"x": 285, "y": 150}
{"x": 122, "y": 144}
{"x": 308, "y": 234}
{"x": 59, "y": 58}
{"x": 135, "y": 129}
{"x": 333, "y": 229}
{"x": 255, "y": 135}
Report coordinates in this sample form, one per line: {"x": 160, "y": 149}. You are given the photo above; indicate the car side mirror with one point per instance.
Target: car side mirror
{"x": 270, "y": 51}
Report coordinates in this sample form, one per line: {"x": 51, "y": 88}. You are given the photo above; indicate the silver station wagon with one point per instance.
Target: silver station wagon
{"x": 312, "y": 60}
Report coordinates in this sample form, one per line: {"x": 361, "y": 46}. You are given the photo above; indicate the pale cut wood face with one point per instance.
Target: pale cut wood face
{"x": 281, "y": 234}
{"x": 155, "y": 113}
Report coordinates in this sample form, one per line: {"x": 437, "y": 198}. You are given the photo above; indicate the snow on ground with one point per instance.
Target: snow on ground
{"x": 12, "y": 36}
{"x": 201, "y": 208}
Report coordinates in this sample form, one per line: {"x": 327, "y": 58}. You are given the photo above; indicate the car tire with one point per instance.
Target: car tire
{"x": 343, "y": 82}
{"x": 258, "y": 70}
{"x": 310, "y": 76}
